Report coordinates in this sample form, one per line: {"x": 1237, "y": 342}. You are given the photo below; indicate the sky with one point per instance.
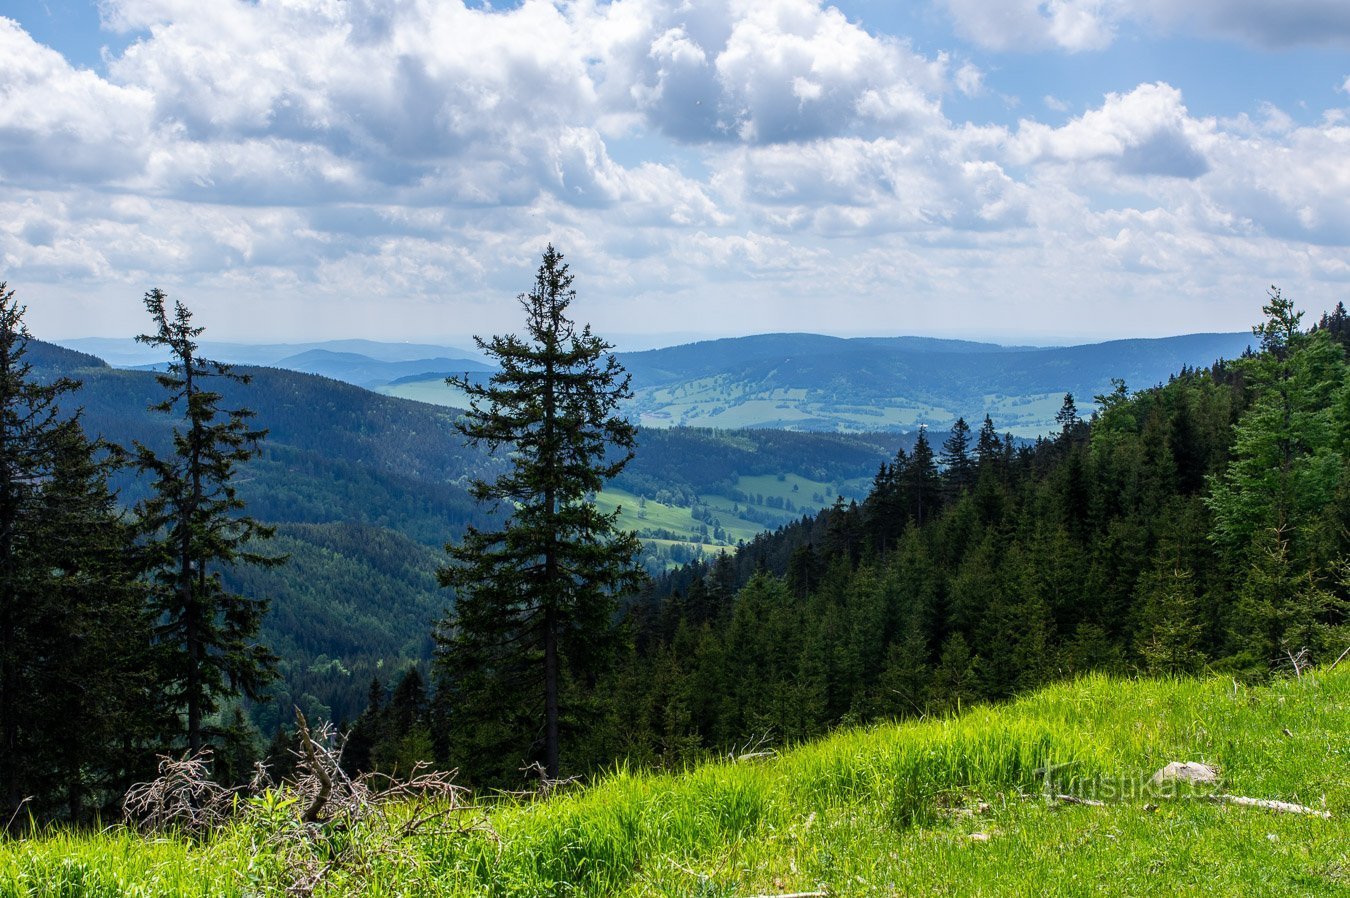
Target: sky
{"x": 1029, "y": 171}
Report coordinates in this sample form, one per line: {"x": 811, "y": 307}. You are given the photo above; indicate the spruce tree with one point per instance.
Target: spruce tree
{"x": 922, "y": 482}
{"x": 74, "y": 633}
{"x": 207, "y": 635}
{"x": 535, "y": 599}
{"x": 1284, "y": 463}
{"x": 958, "y": 468}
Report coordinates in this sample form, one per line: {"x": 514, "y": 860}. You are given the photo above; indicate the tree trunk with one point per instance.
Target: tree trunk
{"x": 551, "y": 691}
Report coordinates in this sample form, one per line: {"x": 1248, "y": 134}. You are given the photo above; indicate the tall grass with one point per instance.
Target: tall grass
{"x": 888, "y": 809}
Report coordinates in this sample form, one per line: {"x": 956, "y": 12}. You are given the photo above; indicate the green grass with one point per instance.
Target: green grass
{"x": 953, "y": 806}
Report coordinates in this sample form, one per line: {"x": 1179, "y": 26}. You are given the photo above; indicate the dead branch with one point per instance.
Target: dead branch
{"x": 1283, "y": 807}
{"x": 183, "y": 795}
{"x": 325, "y": 789}
{"x": 1074, "y": 799}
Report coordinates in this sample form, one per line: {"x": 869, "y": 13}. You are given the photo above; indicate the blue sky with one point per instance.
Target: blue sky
{"x": 1024, "y": 170}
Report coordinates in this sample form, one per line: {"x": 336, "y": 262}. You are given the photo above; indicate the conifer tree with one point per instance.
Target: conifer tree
{"x": 535, "y": 599}
{"x": 988, "y": 446}
{"x": 1284, "y": 463}
{"x": 206, "y": 635}
{"x": 956, "y": 462}
{"x": 74, "y": 633}
{"x": 922, "y": 482}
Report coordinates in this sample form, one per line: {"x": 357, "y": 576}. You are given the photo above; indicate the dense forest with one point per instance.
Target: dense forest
{"x": 1200, "y": 524}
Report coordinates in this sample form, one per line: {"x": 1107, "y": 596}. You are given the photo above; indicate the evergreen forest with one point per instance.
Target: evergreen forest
{"x": 1198, "y": 525}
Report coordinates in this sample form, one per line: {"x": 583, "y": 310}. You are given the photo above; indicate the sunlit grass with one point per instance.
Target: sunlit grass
{"x": 955, "y": 806}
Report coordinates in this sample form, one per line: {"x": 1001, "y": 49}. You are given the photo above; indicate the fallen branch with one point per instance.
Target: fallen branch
{"x": 1340, "y": 659}
{"x": 1074, "y": 799}
{"x": 315, "y": 808}
{"x": 1284, "y": 807}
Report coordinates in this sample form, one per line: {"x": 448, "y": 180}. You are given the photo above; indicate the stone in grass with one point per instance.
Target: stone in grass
{"x": 1189, "y": 772}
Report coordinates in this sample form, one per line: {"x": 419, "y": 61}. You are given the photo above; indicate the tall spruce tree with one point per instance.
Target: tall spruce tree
{"x": 207, "y": 635}
{"x": 958, "y": 468}
{"x": 535, "y": 599}
{"x": 74, "y": 635}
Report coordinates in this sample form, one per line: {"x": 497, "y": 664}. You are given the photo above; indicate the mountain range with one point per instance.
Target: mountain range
{"x": 803, "y": 382}
{"x": 811, "y": 382}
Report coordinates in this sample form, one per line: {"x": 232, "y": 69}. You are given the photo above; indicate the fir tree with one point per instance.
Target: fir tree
{"x": 535, "y": 599}
{"x": 75, "y": 715}
{"x": 1285, "y": 461}
{"x": 922, "y": 482}
{"x": 957, "y": 466}
{"x": 206, "y": 635}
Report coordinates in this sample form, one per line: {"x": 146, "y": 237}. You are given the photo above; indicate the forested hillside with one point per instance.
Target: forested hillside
{"x": 1199, "y": 524}
{"x": 366, "y": 490}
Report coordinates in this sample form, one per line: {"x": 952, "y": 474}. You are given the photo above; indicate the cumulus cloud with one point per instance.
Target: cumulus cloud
{"x": 766, "y": 71}
{"x": 1145, "y": 132}
{"x": 58, "y": 122}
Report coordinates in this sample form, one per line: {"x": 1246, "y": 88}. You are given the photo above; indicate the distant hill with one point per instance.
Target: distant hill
{"x": 800, "y": 382}
{"x": 809, "y": 382}
{"x": 364, "y": 371}
{"x": 127, "y": 353}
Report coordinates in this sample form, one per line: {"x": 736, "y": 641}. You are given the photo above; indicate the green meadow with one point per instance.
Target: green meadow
{"x": 969, "y": 804}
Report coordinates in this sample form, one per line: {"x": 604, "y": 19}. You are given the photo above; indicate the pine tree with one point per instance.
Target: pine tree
{"x": 988, "y": 446}
{"x": 534, "y": 603}
{"x": 207, "y": 635}
{"x": 957, "y": 466}
{"x": 1285, "y": 463}
{"x": 74, "y": 633}
{"x": 922, "y": 482}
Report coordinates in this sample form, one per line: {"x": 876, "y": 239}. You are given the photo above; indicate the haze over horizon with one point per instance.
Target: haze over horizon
{"x": 1021, "y": 172}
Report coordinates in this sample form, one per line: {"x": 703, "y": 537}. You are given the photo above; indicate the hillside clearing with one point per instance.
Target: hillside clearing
{"x": 958, "y": 806}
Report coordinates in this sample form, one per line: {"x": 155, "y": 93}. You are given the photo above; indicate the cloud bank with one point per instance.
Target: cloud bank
{"x": 331, "y": 168}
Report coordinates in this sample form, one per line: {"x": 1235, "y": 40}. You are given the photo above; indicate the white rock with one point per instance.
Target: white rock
{"x": 1186, "y": 772}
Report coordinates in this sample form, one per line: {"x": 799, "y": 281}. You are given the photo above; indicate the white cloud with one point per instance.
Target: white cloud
{"x": 969, "y": 80}
{"x": 1073, "y": 25}
{"x": 58, "y": 122}
{"x": 724, "y": 161}
{"x": 764, "y": 71}
{"x": 1145, "y": 132}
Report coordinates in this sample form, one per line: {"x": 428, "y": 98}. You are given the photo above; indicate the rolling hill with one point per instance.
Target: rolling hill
{"x": 808, "y": 382}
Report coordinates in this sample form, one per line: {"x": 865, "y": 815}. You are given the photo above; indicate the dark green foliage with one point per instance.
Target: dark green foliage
{"x": 533, "y": 616}
{"x": 205, "y": 634}
{"x": 957, "y": 464}
{"x": 75, "y": 708}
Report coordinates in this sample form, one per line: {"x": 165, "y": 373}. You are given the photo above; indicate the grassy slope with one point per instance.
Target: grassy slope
{"x": 889, "y": 810}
